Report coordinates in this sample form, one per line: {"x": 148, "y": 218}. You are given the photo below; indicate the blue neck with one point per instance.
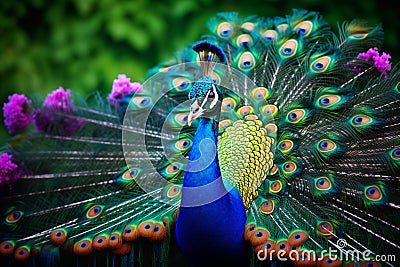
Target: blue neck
{"x": 211, "y": 219}
{"x": 203, "y": 158}
{"x": 203, "y": 174}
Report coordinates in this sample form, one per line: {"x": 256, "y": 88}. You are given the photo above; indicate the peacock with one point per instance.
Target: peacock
{"x": 268, "y": 142}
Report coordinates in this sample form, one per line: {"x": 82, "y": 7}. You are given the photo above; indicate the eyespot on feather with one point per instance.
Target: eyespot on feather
{"x": 182, "y": 119}
{"x": 282, "y": 245}
{"x": 228, "y": 104}
{"x": 142, "y": 101}
{"x": 270, "y": 110}
{"x": 14, "y": 216}
{"x": 271, "y": 129}
{"x": 269, "y": 36}
{"x": 100, "y": 242}
{"x": 244, "y": 40}
{"x": 325, "y": 229}
{"x": 115, "y": 240}
{"x": 245, "y": 110}
{"x": 289, "y": 167}
{"x": 248, "y": 231}
{"x": 267, "y": 207}
{"x": 285, "y": 146}
{"x": 259, "y": 236}
{"x": 131, "y": 174}
{"x": 330, "y": 261}
{"x": 360, "y": 120}
{"x": 159, "y": 233}
{"x": 94, "y": 211}
{"x": 358, "y": 35}
{"x": 183, "y": 144}
{"x": 181, "y": 84}
{"x": 173, "y": 168}
{"x": 58, "y": 237}
{"x": 145, "y": 229}
{"x": 225, "y": 30}
{"x": 275, "y": 186}
{"x": 83, "y": 247}
{"x": 373, "y": 193}
{"x": 326, "y": 145}
{"x": 224, "y": 124}
{"x": 7, "y": 248}
{"x": 306, "y": 258}
{"x": 22, "y": 253}
{"x": 296, "y": 115}
{"x": 326, "y": 101}
{"x": 321, "y": 64}
{"x": 260, "y": 93}
{"x": 323, "y": 183}
{"x": 130, "y": 233}
{"x": 395, "y": 154}
{"x": 246, "y": 61}
{"x": 304, "y": 28}
{"x": 289, "y": 48}
{"x": 174, "y": 191}
{"x": 297, "y": 238}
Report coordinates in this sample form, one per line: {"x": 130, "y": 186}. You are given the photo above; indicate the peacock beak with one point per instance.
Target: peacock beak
{"x": 195, "y": 111}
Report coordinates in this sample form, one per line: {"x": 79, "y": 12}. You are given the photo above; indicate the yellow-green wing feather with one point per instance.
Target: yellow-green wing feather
{"x": 245, "y": 157}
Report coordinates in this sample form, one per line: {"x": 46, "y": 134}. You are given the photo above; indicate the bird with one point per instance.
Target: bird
{"x": 268, "y": 142}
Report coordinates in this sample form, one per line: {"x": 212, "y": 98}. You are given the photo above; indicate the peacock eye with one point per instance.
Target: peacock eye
{"x": 211, "y": 95}
{"x": 287, "y": 51}
{"x": 301, "y": 31}
{"x": 396, "y": 153}
{"x": 226, "y": 33}
{"x": 269, "y": 36}
{"x": 183, "y": 85}
{"x": 224, "y": 30}
{"x": 318, "y": 66}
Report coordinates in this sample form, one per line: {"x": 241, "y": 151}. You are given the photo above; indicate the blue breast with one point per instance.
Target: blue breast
{"x": 209, "y": 232}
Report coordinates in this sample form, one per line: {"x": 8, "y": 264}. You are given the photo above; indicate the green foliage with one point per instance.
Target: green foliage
{"x": 84, "y": 45}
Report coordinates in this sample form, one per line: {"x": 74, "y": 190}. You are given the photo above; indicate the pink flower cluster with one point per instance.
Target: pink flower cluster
{"x": 121, "y": 87}
{"x": 60, "y": 101}
{"x": 381, "y": 62}
{"x": 54, "y": 112}
{"x": 17, "y": 113}
{"x": 9, "y": 171}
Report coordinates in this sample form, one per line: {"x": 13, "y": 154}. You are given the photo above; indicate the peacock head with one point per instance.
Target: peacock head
{"x": 205, "y": 96}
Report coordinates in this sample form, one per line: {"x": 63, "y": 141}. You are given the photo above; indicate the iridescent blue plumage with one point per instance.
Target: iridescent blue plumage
{"x": 211, "y": 216}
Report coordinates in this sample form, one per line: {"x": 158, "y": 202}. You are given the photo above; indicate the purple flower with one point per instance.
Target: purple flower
{"x": 9, "y": 171}
{"x": 59, "y": 101}
{"x": 381, "y": 63}
{"x": 55, "y": 114}
{"x": 17, "y": 113}
{"x": 121, "y": 87}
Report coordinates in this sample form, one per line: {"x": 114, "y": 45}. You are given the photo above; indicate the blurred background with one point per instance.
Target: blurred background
{"x": 84, "y": 44}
